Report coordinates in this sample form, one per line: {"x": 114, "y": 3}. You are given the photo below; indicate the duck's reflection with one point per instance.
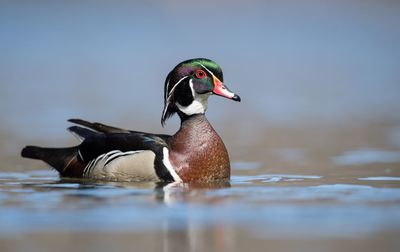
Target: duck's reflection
{"x": 186, "y": 212}
{"x": 193, "y": 234}
{"x": 170, "y": 193}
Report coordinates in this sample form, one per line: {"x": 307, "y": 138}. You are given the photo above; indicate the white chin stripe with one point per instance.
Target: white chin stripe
{"x": 169, "y": 166}
{"x": 195, "y": 107}
{"x": 198, "y": 105}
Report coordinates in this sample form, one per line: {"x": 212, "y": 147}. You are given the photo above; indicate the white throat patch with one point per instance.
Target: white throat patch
{"x": 198, "y": 105}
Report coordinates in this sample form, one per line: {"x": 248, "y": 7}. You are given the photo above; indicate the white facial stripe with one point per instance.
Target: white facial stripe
{"x": 199, "y": 104}
{"x": 191, "y": 88}
{"x": 176, "y": 84}
{"x": 207, "y": 69}
{"x": 169, "y": 95}
{"x": 165, "y": 109}
{"x": 166, "y": 88}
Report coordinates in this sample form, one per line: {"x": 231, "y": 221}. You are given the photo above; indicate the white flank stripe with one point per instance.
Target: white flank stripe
{"x": 119, "y": 153}
{"x": 169, "y": 166}
{"x": 69, "y": 162}
{"x": 94, "y": 162}
{"x": 80, "y": 155}
{"x": 87, "y": 167}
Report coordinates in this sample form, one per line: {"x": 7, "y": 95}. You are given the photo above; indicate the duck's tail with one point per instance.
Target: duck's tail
{"x": 59, "y": 158}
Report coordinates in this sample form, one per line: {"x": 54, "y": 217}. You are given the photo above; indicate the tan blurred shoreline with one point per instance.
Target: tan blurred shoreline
{"x": 205, "y": 240}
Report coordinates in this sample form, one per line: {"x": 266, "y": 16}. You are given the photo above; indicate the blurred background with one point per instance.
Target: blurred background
{"x": 296, "y": 64}
{"x": 315, "y": 141}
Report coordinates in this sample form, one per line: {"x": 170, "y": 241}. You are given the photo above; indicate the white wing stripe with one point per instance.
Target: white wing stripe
{"x": 106, "y": 159}
{"x": 89, "y": 167}
{"x": 112, "y": 157}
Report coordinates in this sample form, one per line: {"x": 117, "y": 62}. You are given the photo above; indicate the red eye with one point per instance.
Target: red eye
{"x": 200, "y": 74}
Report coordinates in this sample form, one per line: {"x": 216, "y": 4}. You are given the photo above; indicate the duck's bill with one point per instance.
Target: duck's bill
{"x": 221, "y": 90}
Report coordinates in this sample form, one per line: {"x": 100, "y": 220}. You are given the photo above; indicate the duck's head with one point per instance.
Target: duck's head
{"x": 189, "y": 85}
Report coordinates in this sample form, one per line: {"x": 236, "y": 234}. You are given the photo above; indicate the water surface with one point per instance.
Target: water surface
{"x": 263, "y": 207}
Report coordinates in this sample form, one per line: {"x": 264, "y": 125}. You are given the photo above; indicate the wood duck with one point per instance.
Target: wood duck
{"x": 193, "y": 154}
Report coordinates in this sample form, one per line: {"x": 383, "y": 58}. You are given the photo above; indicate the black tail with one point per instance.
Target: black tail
{"x": 82, "y": 133}
{"x": 58, "y": 158}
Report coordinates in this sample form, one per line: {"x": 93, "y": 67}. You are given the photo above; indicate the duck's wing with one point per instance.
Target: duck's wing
{"x": 98, "y": 126}
{"x": 136, "y": 155}
{"x": 101, "y": 143}
{"x": 103, "y": 128}
{"x": 108, "y": 153}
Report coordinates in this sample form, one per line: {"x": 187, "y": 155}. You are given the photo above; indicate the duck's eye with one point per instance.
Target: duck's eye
{"x": 201, "y": 74}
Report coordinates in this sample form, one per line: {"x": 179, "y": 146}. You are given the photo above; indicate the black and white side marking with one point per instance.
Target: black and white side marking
{"x": 169, "y": 166}
{"x": 132, "y": 165}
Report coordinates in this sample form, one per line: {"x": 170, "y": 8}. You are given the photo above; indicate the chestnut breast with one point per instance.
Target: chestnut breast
{"x": 198, "y": 153}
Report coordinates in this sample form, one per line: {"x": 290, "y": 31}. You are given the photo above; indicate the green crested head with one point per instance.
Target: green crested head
{"x": 188, "y": 86}
{"x": 204, "y": 63}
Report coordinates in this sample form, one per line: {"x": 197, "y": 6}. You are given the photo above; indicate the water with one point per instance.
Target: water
{"x": 325, "y": 188}
{"x": 302, "y": 209}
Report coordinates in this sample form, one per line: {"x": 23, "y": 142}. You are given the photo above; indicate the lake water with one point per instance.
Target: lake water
{"x": 314, "y": 198}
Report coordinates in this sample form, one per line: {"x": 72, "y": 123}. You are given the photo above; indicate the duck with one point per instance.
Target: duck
{"x": 195, "y": 153}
